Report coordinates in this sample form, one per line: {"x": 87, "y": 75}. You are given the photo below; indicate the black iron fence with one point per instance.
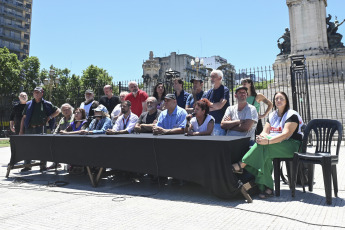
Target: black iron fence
{"x": 316, "y": 91}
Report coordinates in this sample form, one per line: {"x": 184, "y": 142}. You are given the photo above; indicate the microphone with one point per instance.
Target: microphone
{"x": 190, "y": 117}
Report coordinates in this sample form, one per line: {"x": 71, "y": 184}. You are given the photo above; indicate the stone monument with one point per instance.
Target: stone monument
{"x": 311, "y": 34}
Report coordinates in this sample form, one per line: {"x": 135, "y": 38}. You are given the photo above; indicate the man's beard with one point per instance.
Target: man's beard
{"x": 135, "y": 91}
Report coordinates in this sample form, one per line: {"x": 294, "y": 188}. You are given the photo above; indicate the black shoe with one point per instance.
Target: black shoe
{"x": 25, "y": 169}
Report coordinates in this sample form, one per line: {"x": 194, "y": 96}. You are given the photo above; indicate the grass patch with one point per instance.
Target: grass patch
{"x": 4, "y": 143}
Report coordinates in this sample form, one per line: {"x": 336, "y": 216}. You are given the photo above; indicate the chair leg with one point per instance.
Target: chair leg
{"x": 335, "y": 180}
{"x": 276, "y": 165}
{"x": 289, "y": 170}
{"x": 301, "y": 176}
{"x": 294, "y": 175}
{"x": 327, "y": 178}
{"x": 311, "y": 169}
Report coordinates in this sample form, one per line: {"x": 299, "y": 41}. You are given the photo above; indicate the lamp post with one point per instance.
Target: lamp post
{"x": 51, "y": 82}
{"x": 197, "y": 64}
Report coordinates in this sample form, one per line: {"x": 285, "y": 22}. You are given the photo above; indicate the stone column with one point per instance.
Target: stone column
{"x": 307, "y": 25}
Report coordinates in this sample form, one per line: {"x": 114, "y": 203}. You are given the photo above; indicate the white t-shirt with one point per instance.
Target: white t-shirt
{"x": 126, "y": 124}
{"x": 203, "y": 127}
{"x": 116, "y": 111}
{"x": 247, "y": 113}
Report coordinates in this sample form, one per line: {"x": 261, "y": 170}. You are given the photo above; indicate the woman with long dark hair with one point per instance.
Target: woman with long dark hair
{"x": 280, "y": 138}
{"x": 254, "y": 99}
{"x": 159, "y": 93}
{"x": 203, "y": 122}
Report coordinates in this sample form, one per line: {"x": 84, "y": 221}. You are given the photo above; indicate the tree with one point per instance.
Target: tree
{"x": 94, "y": 77}
{"x": 30, "y": 73}
{"x": 9, "y": 72}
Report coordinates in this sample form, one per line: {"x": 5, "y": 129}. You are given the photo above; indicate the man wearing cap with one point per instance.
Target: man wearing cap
{"x": 173, "y": 119}
{"x": 89, "y": 104}
{"x": 100, "y": 123}
{"x": 180, "y": 94}
{"x": 196, "y": 95}
{"x": 148, "y": 120}
{"x": 219, "y": 98}
{"x": 109, "y": 100}
{"x": 126, "y": 122}
{"x": 36, "y": 114}
{"x": 137, "y": 98}
{"x": 241, "y": 119}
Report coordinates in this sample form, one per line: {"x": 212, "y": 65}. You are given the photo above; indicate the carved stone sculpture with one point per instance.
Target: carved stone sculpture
{"x": 285, "y": 45}
{"x": 334, "y": 38}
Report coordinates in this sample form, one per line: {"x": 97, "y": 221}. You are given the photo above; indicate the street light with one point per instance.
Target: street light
{"x": 197, "y": 64}
{"x": 51, "y": 82}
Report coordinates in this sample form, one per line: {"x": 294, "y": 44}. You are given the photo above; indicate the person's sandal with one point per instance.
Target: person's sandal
{"x": 265, "y": 194}
{"x": 239, "y": 171}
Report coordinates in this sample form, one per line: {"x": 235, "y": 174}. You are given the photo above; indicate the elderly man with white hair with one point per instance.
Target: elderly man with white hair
{"x": 137, "y": 98}
{"x": 65, "y": 121}
{"x": 148, "y": 120}
{"x": 117, "y": 110}
{"x": 90, "y": 104}
{"x": 219, "y": 98}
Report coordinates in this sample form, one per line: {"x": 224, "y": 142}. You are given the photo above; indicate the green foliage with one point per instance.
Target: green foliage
{"x": 9, "y": 72}
{"x": 262, "y": 84}
{"x": 30, "y": 73}
{"x": 94, "y": 76}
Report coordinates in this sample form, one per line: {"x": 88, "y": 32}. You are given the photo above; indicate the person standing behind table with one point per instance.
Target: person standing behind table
{"x": 109, "y": 100}
{"x": 126, "y": 122}
{"x": 36, "y": 114}
{"x": 203, "y": 122}
{"x": 137, "y": 98}
{"x": 100, "y": 123}
{"x": 147, "y": 120}
{"x": 89, "y": 104}
{"x": 280, "y": 138}
{"x": 241, "y": 119}
{"x": 219, "y": 98}
{"x": 17, "y": 113}
{"x": 172, "y": 120}
{"x": 254, "y": 99}
{"x": 196, "y": 94}
{"x": 180, "y": 94}
{"x": 117, "y": 110}
{"x": 159, "y": 93}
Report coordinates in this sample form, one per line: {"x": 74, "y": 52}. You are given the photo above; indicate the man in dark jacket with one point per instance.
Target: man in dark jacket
{"x": 36, "y": 114}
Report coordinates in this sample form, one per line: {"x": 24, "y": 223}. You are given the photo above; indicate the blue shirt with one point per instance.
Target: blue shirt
{"x": 217, "y": 95}
{"x": 182, "y": 99}
{"x": 101, "y": 126}
{"x": 177, "y": 119}
{"x": 190, "y": 99}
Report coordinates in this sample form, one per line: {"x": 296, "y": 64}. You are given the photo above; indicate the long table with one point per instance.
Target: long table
{"x": 205, "y": 160}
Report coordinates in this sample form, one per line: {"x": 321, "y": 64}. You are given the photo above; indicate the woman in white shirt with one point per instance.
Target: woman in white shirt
{"x": 203, "y": 122}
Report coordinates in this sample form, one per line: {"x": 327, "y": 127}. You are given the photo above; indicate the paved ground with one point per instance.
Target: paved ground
{"x": 28, "y": 201}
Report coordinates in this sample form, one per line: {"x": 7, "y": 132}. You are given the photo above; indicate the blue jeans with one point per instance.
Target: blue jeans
{"x": 218, "y": 131}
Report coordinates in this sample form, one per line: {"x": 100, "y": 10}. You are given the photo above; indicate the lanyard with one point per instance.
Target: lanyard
{"x": 125, "y": 123}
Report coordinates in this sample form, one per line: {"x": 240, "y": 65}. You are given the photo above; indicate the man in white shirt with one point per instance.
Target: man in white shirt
{"x": 240, "y": 119}
{"x": 126, "y": 122}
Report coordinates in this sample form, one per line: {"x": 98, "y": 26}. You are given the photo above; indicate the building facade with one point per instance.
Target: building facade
{"x": 15, "y": 26}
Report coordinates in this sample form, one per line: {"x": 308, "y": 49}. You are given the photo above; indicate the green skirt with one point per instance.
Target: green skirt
{"x": 259, "y": 159}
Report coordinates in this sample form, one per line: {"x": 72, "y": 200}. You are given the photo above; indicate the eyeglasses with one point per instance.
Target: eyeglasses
{"x": 279, "y": 99}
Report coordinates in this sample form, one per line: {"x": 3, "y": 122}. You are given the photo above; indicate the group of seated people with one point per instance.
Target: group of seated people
{"x": 194, "y": 114}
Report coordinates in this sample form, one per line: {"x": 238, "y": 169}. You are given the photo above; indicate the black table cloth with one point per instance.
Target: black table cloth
{"x": 205, "y": 160}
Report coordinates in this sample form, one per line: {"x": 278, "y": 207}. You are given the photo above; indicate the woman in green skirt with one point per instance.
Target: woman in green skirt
{"x": 280, "y": 138}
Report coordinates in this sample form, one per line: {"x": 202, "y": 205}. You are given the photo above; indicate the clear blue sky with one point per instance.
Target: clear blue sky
{"x": 118, "y": 35}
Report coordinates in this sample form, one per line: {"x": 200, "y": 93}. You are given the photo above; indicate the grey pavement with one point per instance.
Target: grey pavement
{"x": 30, "y": 201}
